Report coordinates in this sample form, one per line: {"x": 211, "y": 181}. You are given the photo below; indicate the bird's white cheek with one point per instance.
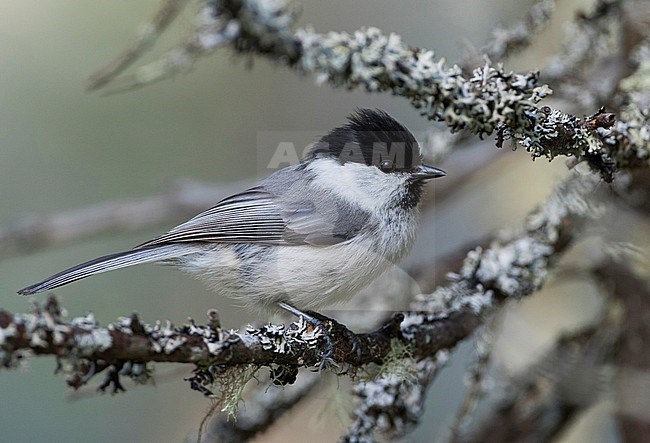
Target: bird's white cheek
{"x": 364, "y": 185}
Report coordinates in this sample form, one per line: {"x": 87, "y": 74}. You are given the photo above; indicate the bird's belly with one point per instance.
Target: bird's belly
{"x": 307, "y": 277}
{"x": 315, "y": 277}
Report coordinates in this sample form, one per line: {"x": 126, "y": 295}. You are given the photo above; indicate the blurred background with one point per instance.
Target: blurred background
{"x": 62, "y": 148}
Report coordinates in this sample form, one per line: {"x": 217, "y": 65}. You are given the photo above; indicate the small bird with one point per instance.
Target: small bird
{"x": 309, "y": 235}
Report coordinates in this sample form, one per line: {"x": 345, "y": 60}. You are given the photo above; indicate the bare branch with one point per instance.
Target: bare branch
{"x": 183, "y": 199}
{"x": 147, "y": 37}
{"x": 506, "y": 42}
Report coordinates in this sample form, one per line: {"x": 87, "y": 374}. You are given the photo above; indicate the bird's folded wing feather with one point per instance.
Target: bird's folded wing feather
{"x": 257, "y": 216}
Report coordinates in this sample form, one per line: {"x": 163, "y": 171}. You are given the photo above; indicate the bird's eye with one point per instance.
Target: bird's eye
{"x": 386, "y": 165}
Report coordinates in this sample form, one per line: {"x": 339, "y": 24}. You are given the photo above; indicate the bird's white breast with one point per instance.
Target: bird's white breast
{"x": 308, "y": 276}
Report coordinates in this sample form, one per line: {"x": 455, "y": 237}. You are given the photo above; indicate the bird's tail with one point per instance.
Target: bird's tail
{"x": 107, "y": 263}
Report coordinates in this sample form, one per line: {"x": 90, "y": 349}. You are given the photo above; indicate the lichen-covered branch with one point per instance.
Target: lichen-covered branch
{"x": 515, "y": 265}
{"x": 582, "y": 368}
{"x": 490, "y": 99}
{"x": 82, "y": 341}
{"x": 587, "y": 37}
{"x": 596, "y": 53}
{"x": 406, "y": 353}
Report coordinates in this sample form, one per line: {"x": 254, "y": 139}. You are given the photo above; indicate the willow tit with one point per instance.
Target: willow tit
{"x": 308, "y": 235}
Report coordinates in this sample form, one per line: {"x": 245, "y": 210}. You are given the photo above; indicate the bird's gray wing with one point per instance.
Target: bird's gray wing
{"x": 285, "y": 213}
{"x": 259, "y": 216}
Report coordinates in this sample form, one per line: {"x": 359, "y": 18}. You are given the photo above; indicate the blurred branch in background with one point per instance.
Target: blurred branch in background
{"x": 148, "y": 34}
{"x": 603, "y": 62}
{"x": 631, "y": 357}
{"x": 541, "y": 402}
{"x": 506, "y": 42}
{"x": 183, "y": 199}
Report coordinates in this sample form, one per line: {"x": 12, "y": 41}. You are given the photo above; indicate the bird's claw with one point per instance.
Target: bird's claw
{"x": 317, "y": 321}
{"x": 326, "y": 363}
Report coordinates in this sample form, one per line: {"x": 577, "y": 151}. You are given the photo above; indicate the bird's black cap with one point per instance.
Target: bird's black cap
{"x": 374, "y": 138}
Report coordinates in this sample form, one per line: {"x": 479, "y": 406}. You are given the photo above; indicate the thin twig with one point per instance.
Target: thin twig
{"x": 147, "y": 37}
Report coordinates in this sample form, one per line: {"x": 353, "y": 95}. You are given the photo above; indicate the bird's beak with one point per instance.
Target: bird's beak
{"x": 425, "y": 172}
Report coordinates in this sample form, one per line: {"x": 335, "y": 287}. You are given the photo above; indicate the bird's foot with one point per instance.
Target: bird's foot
{"x": 317, "y": 321}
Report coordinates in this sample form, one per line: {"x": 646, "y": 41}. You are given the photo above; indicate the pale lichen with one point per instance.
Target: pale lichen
{"x": 515, "y": 265}
{"x": 486, "y": 100}
{"x": 392, "y": 405}
{"x": 96, "y": 340}
{"x": 397, "y": 363}
{"x": 376, "y": 62}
